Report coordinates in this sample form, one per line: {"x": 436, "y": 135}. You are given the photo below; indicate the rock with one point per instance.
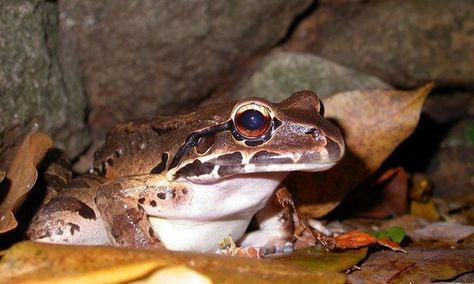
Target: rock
{"x": 405, "y": 43}
{"x": 281, "y": 73}
{"x": 34, "y": 93}
{"x": 141, "y": 58}
{"x": 452, "y": 169}
{"x": 445, "y": 108}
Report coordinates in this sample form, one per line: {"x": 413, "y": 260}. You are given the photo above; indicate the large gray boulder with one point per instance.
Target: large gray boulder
{"x": 34, "y": 91}
{"x": 145, "y": 57}
{"x": 279, "y": 74}
{"x": 405, "y": 43}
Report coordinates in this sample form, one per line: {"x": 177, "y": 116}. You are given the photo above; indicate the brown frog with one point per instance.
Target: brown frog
{"x": 188, "y": 181}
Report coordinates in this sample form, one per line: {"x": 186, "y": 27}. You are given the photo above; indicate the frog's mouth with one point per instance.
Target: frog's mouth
{"x": 215, "y": 168}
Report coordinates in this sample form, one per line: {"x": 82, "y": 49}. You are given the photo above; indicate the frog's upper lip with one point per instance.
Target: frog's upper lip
{"x": 213, "y": 169}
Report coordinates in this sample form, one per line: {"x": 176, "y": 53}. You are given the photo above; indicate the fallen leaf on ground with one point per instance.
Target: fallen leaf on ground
{"x": 357, "y": 239}
{"x": 420, "y": 188}
{"x": 374, "y": 123}
{"x": 426, "y": 210}
{"x": 175, "y": 274}
{"x": 318, "y": 258}
{"x": 409, "y": 223}
{"x": 418, "y": 265}
{"x": 443, "y": 231}
{"x": 22, "y": 176}
{"x": 396, "y": 234}
{"x": 30, "y": 261}
{"x": 386, "y": 197}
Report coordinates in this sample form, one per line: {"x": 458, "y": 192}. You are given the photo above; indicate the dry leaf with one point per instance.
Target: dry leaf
{"x": 30, "y": 261}
{"x": 318, "y": 258}
{"x": 425, "y": 210}
{"x": 374, "y": 123}
{"x": 387, "y": 197}
{"x": 443, "y": 231}
{"x": 357, "y": 239}
{"x": 418, "y": 265}
{"x": 22, "y": 176}
{"x": 175, "y": 274}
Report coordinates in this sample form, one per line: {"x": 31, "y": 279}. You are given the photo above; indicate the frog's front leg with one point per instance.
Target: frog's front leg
{"x": 275, "y": 233}
{"x": 124, "y": 204}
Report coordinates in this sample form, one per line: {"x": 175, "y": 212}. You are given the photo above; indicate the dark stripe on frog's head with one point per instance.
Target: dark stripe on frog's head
{"x": 193, "y": 139}
{"x": 161, "y": 166}
{"x": 265, "y": 157}
{"x": 233, "y": 158}
{"x": 196, "y": 168}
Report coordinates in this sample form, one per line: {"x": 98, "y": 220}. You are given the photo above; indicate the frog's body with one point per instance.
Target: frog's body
{"x": 187, "y": 182}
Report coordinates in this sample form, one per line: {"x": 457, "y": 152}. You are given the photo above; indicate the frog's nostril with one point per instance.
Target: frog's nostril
{"x": 316, "y": 133}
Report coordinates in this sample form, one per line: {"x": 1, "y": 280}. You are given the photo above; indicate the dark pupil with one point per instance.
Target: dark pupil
{"x": 252, "y": 119}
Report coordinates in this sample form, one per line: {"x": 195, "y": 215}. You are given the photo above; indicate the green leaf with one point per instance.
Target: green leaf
{"x": 396, "y": 234}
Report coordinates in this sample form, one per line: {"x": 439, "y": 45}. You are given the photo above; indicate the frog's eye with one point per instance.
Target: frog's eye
{"x": 252, "y": 121}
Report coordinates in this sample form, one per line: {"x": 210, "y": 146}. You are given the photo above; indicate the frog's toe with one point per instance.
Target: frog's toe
{"x": 287, "y": 248}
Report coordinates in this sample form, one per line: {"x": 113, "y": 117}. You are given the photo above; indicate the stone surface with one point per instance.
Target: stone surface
{"x": 33, "y": 91}
{"x": 145, "y": 57}
{"x": 406, "y": 43}
{"x": 452, "y": 169}
{"x": 280, "y": 74}
{"x": 448, "y": 107}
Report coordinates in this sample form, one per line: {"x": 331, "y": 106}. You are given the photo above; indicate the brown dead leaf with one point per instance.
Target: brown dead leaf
{"x": 357, "y": 239}
{"x": 374, "y": 123}
{"x": 426, "y": 210}
{"x": 22, "y": 176}
{"x": 418, "y": 265}
{"x": 39, "y": 262}
{"x": 443, "y": 231}
{"x": 387, "y": 197}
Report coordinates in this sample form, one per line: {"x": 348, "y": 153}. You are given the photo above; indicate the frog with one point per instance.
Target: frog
{"x": 186, "y": 182}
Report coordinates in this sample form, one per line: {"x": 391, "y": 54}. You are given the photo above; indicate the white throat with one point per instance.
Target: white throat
{"x": 216, "y": 210}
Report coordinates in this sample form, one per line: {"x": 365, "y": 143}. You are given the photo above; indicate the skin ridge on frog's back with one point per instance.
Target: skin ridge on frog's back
{"x": 149, "y": 144}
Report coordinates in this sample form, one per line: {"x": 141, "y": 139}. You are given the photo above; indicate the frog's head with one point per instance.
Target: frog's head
{"x": 256, "y": 136}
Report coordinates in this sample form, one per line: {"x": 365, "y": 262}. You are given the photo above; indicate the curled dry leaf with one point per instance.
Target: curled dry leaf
{"x": 22, "y": 176}
{"x": 357, "y": 239}
{"x": 374, "y": 123}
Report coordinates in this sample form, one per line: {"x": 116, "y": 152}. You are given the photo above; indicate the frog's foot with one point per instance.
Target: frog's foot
{"x": 251, "y": 252}
{"x": 275, "y": 234}
{"x": 268, "y": 242}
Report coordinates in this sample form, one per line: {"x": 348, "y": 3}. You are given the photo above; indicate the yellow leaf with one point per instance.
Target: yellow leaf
{"x": 35, "y": 262}
{"x": 176, "y": 274}
{"x": 426, "y": 210}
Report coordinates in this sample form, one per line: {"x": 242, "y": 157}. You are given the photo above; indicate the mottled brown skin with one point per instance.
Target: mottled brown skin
{"x": 198, "y": 169}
